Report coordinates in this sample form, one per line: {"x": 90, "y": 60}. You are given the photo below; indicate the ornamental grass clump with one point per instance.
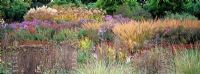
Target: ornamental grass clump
{"x": 178, "y": 31}
{"x": 171, "y": 23}
{"x": 188, "y": 62}
{"x": 134, "y": 33}
{"x": 77, "y": 14}
{"x": 101, "y": 67}
{"x": 40, "y": 13}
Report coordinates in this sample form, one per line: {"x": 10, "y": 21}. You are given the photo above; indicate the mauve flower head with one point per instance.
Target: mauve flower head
{"x": 120, "y": 18}
{"x": 108, "y": 17}
{"x": 47, "y": 22}
{"x": 24, "y": 24}
{"x": 36, "y": 22}
{"x": 14, "y": 25}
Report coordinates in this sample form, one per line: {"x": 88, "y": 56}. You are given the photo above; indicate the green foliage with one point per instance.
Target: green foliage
{"x": 91, "y": 34}
{"x": 192, "y": 7}
{"x": 82, "y": 33}
{"x": 182, "y": 16}
{"x": 65, "y": 34}
{"x": 40, "y": 34}
{"x": 85, "y": 44}
{"x": 3, "y": 30}
{"x": 91, "y": 5}
{"x": 65, "y": 2}
{"x": 108, "y": 36}
{"x": 159, "y": 7}
{"x": 84, "y": 54}
{"x": 188, "y": 62}
{"x": 108, "y": 5}
{"x": 100, "y": 67}
{"x": 56, "y": 70}
{"x": 4, "y": 70}
{"x": 36, "y": 4}
{"x": 135, "y": 12}
{"x": 59, "y": 2}
{"x": 83, "y": 57}
{"x": 47, "y": 34}
{"x": 13, "y": 9}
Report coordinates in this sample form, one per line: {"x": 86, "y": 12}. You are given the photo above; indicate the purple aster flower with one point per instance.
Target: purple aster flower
{"x": 46, "y": 23}
{"x": 35, "y": 22}
{"x": 13, "y": 25}
{"x": 120, "y": 18}
{"x": 108, "y": 17}
{"x": 25, "y": 26}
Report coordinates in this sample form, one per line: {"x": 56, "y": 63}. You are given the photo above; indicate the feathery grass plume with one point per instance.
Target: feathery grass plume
{"x": 40, "y": 13}
{"x": 134, "y": 33}
{"x": 78, "y": 13}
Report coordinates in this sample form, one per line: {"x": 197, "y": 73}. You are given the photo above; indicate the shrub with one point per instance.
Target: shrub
{"x": 158, "y": 8}
{"x": 192, "y": 7}
{"x": 59, "y": 2}
{"x": 13, "y": 10}
{"x": 65, "y": 2}
{"x": 40, "y": 13}
{"x": 91, "y": 5}
{"x": 188, "y": 62}
{"x": 108, "y": 5}
{"x": 136, "y": 12}
{"x": 35, "y": 4}
{"x": 182, "y": 16}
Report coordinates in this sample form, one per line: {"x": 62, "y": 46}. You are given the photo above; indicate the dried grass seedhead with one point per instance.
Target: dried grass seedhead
{"x": 78, "y": 13}
{"x": 40, "y": 13}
